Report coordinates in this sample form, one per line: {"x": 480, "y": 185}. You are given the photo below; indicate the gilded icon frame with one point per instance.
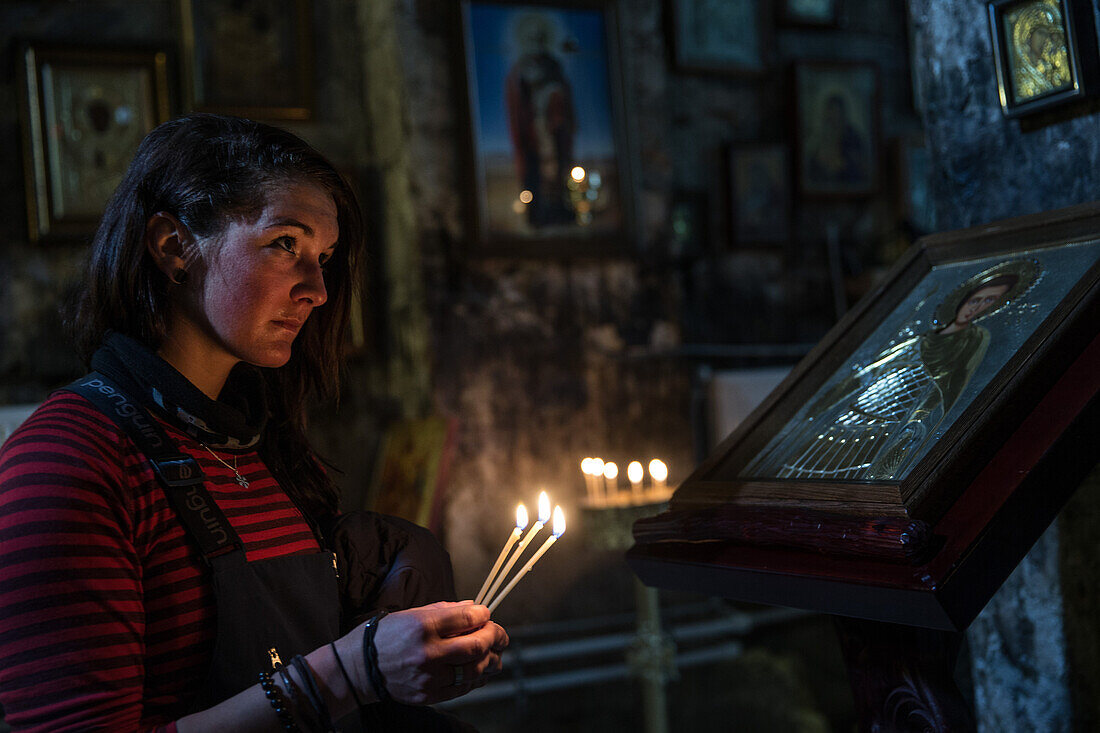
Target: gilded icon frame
{"x": 933, "y": 478}
{"x": 83, "y": 112}
{"x": 1031, "y": 79}
{"x": 931, "y": 547}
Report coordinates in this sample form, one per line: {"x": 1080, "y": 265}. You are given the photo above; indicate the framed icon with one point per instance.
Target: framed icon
{"x": 907, "y": 464}
{"x": 84, "y": 112}
{"x": 550, "y": 174}
{"x": 837, "y": 128}
{"x": 1045, "y": 53}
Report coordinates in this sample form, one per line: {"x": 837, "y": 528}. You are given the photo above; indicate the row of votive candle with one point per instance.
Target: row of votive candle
{"x": 494, "y": 579}
{"x": 601, "y": 480}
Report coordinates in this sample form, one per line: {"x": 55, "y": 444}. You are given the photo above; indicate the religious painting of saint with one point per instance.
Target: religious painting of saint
{"x": 84, "y": 113}
{"x": 915, "y": 374}
{"x": 1036, "y": 36}
{"x": 1045, "y": 52}
{"x": 543, "y": 122}
{"x": 837, "y": 121}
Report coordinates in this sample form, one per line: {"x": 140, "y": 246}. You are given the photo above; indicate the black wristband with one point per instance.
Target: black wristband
{"x": 347, "y": 678}
{"x": 278, "y": 703}
{"x": 370, "y": 656}
{"x": 313, "y": 693}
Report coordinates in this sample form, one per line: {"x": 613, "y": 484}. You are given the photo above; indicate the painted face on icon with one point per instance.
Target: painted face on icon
{"x": 259, "y": 281}
{"x": 979, "y": 302}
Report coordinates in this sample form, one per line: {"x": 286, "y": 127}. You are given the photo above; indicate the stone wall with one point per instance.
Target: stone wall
{"x": 987, "y": 167}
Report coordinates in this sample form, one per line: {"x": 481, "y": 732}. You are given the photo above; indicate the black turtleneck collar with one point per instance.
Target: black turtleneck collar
{"x": 234, "y": 421}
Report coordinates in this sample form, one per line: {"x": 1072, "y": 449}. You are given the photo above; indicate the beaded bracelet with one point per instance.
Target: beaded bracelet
{"x": 312, "y": 719}
{"x": 313, "y": 693}
{"x": 370, "y": 656}
{"x": 278, "y": 702}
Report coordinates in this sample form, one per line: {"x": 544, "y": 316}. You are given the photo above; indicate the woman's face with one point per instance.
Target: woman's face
{"x": 979, "y": 302}
{"x": 257, "y": 282}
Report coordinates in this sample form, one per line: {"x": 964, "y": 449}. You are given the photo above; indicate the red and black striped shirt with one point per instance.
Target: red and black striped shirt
{"x": 107, "y": 616}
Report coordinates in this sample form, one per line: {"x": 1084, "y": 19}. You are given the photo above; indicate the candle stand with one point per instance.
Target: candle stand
{"x": 652, "y": 655}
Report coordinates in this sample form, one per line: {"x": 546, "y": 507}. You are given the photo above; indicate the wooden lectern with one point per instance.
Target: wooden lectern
{"x": 906, "y": 466}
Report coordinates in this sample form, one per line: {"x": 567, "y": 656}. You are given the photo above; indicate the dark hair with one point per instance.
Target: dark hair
{"x": 1008, "y": 280}
{"x": 207, "y": 170}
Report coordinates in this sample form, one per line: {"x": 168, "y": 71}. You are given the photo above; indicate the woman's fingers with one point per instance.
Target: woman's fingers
{"x": 454, "y": 619}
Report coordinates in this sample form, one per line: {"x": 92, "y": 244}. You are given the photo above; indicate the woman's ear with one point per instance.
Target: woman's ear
{"x": 166, "y": 239}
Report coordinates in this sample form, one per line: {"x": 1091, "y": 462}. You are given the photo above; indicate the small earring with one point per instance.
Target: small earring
{"x": 180, "y": 277}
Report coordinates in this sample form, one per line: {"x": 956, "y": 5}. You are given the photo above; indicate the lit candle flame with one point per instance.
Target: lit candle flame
{"x": 559, "y": 522}
{"x": 586, "y": 466}
{"x": 544, "y": 507}
{"x": 577, "y": 173}
{"x": 597, "y": 466}
{"x": 634, "y": 472}
{"x": 521, "y": 517}
{"x": 658, "y": 470}
{"x": 610, "y": 470}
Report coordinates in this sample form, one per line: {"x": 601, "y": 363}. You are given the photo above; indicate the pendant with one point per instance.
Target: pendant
{"x": 242, "y": 481}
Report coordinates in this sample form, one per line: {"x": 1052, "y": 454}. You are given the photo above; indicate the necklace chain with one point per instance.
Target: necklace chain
{"x": 240, "y": 479}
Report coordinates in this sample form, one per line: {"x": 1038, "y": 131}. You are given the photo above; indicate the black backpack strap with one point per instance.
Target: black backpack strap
{"x": 179, "y": 474}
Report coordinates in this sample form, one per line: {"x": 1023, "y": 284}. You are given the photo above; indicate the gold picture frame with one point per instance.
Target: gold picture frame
{"x": 1045, "y": 53}
{"x": 83, "y": 113}
{"x": 252, "y": 59}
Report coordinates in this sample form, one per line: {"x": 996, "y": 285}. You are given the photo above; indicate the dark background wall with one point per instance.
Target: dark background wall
{"x": 545, "y": 361}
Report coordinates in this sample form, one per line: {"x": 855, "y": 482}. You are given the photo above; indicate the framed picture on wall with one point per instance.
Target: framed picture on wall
{"x": 251, "y": 58}
{"x": 83, "y": 114}
{"x": 760, "y": 194}
{"x": 720, "y": 36}
{"x": 1045, "y": 52}
{"x": 550, "y": 174}
{"x": 814, "y": 13}
{"x": 837, "y": 128}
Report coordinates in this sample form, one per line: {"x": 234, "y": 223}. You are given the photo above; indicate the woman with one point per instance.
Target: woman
{"x": 158, "y": 518}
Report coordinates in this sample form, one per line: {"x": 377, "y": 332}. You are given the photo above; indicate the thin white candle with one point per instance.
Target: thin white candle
{"x": 659, "y": 472}
{"x": 635, "y": 473}
{"x": 597, "y": 472}
{"x": 611, "y": 478}
{"x": 589, "y": 485}
{"x": 521, "y": 524}
{"x": 559, "y": 530}
{"x": 544, "y": 517}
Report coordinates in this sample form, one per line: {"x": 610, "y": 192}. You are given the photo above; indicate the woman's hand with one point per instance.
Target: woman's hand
{"x": 437, "y": 652}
